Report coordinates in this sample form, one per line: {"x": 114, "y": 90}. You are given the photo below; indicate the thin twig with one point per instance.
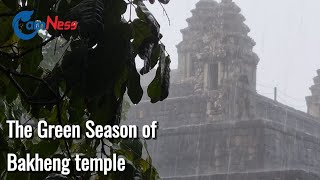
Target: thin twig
{"x": 103, "y": 151}
{"x": 130, "y": 20}
{"x": 10, "y": 73}
{"x": 15, "y": 73}
{"x": 29, "y": 119}
{"x": 14, "y": 56}
{"x": 10, "y": 45}
{"x": 36, "y": 47}
{"x": 25, "y": 95}
{"x": 8, "y": 14}
{"x": 59, "y": 116}
{"x": 165, "y": 12}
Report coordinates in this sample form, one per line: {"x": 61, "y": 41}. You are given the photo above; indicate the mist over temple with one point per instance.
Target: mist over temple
{"x": 214, "y": 125}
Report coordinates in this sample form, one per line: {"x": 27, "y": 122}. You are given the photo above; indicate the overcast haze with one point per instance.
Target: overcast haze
{"x": 287, "y": 33}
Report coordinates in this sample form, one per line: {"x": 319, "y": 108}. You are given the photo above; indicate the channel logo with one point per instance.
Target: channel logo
{"x": 35, "y": 26}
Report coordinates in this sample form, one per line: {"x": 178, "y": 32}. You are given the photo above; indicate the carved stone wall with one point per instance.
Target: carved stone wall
{"x": 287, "y": 144}
{"x": 273, "y": 175}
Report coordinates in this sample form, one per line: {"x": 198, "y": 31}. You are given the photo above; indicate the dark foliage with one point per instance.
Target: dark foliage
{"x": 89, "y": 81}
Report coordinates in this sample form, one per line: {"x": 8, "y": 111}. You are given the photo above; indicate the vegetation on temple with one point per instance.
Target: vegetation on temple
{"x": 68, "y": 77}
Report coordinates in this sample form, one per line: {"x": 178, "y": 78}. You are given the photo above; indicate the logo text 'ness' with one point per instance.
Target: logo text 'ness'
{"x": 35, "y": 26}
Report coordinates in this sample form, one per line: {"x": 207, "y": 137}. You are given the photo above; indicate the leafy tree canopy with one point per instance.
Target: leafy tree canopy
{"x": 87, "y": 80}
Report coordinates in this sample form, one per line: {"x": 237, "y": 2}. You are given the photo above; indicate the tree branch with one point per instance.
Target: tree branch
{"x": 103, "y": 151}
{"x": 9, "y": 73}
{"x": 14, "y": 56}
{"x": 10, "y": 45}
{"x": 165, "y": 12}
{"x": 8, "y": 14}
{"x": 13, "y": 72}
{"x": 34, "y": 48}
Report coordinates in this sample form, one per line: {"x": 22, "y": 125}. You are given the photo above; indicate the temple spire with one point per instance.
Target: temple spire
{"x": 216, "y": 49}
{"x": 313, "y": 101}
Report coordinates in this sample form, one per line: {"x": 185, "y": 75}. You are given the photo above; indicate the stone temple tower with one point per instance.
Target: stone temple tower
{"x": 216, "y": 50}
{"x": 216, "y": 56}
{"x": 313, "y": 101}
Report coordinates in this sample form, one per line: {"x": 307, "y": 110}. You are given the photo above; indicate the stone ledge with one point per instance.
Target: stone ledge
{"x": 244, "y": 124}
{"x": 270, "y": 175}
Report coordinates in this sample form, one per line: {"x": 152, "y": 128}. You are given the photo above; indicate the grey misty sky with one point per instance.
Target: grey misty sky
{"x": 287, "y": 33}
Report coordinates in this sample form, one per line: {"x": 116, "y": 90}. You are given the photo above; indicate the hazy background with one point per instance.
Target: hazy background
{"x": 287, "y": 33}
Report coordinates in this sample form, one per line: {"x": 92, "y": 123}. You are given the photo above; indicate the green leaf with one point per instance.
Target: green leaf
{"x": 46, "y": 148}
{"x": 153, "y": 60}
{"x": 129, "y": 155}
{"x": 158, "y": 90}
{"x": 73, "y": 68}
{"x": 132, "y": 145}
{"x": 130, "y": 173}
{"x": 44, "y": 112}
{"x": 76, "y": 109}
{"x": 62, "y": 6}
{"x": 146, "y": 50}
{"x": 104, "y": 109}
{"x": 146, "y": 42}
{"x": 143, "y": 164}
{"x": 135, "y": 91}
{"x": 151, "y": 173}
{"x": 164, "y": 1}
{"x": 144, "y": 14}
{"x": 12, "y": 93}
{"x": 51, "y": 118}
{"x": 121, "y": 7}
{"x": 141, "y": 31}
{"x": 121, "y": 82}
